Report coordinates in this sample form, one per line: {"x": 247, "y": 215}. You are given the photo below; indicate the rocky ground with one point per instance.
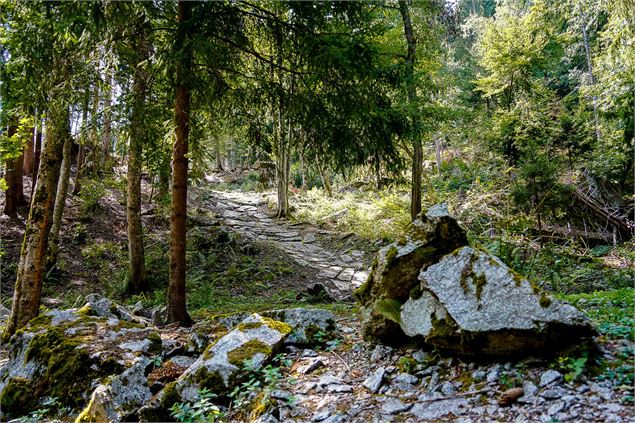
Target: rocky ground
{"x": 360, "y": 382}
{"x": 336, "y": 377}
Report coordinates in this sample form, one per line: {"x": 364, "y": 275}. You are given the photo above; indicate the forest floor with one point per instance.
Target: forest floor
{"x": 242, "y": 259}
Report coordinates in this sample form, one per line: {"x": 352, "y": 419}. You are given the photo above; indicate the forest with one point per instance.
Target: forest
{"x": 328, "y": 211}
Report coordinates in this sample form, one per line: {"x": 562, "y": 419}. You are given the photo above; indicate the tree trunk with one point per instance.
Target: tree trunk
{"x": 81, "y": 153}
{"x": 37, "y": 151}
{"x": 136, "y": 258}
{"x": 94, "y": 135}
{"x": 177, "y": 307}
{"x": 11, "y": 194}
{"x": 438, "y": 148}
{"x": 27, "y": 165}
{"x": 219, "y": 156}
{"x": 587, "y": 52}
{"x": 415, "y": 197}
{"x": 60, "y": 202}
{"x": 326, "y": 183}
{"x": 28, "y": 285}
{"x": 106, "y": 136}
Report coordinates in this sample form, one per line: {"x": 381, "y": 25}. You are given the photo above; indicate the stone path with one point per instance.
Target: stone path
{"x": 340, "y": 273}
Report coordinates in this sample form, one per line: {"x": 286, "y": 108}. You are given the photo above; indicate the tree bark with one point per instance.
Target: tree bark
{"x": 177, "y": 307}
{"x": 60, "y": 202}
{"x": 587, "y": 52}
{"x": 28, "y": 285}
{"x": 219, "y": 156}
{"x": 326, "y": 183}
{"x": 37, "y": 151}
{"x": 27, "y": 165}
{"x": 415, "y": 197}
{"x": 106, "y": 136}
{"x": 136, "y": 257}
{"x": 11, "y": 200}
{"x": 81, "y": 153}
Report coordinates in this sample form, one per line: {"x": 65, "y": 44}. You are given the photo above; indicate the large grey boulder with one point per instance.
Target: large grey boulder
{"x": 396, "y": 268}
{"x": 256, "y": 339}
{"x": 471, "y": 303}
{"x": 66, "y": 354}
{"x": 118, "y": 398}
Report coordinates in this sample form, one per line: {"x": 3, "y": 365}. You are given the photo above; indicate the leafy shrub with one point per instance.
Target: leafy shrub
{"x": 202, "y": 410}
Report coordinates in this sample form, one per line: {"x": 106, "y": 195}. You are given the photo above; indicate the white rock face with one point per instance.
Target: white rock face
{"x": 483, "y": 307}
{"x": 414, "y": 322}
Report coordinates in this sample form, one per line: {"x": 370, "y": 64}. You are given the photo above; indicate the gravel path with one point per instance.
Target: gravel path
{"x": 240, "y": 211}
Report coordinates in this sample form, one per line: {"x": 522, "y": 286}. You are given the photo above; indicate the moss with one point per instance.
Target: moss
{"x": 247, "y": 351}
{"x": 155, "y": 342}
{"x": 406, "y": 364}
{"x": 211, "y": 381}
{"x": 86, "y": 310}
{"x": 390, "y": 309}
{"x": 281, "y": 327}
{"x": 544, "y": 301}
{"x": 443, "y": 328}
{"x": 247, "y": 326}
{"x": 479, "y": 282}
{"x": 402, "y": 241}
{"x": 124, "y": 324}
{"x": 17, "y": 398}
{"x": 42, "y": 320}
{"x": 416, "y": 292}
{"x": 390, "y": 256}
{"x": 170, "y": 395}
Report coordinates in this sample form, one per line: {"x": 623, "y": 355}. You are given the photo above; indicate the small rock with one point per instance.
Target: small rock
{"x": 428, "y": 411}
{"x": 420, "y": 356}
{"x": 309, "y": 353}
{"x": 329, "y": 379}
{"x": 479, "y": 375}
{"x": 380, "y": 352}
{"x": 321, "y": 415}
{"x": 374, "y": 381}
{"x": 311, "y": 366}
{"x": 549, "y": 377}
{"x": 555, "y": 408}
{"x": 448, "y": 388}
{"x": 340, "y": 389}
{"x": 395, "y": 406}
{"x": 529, "y": 389}
{"x": 494, "y": 374}
{"x": 510, "y": 396}
{"x": 405, "y": 381}
{"x": 553, "y": 393}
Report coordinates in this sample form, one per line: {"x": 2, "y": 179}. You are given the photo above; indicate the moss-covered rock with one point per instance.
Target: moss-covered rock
{"x": 395, "y": 271}
{"x": 66, "y": 353}
{"x": 221, "y": 367}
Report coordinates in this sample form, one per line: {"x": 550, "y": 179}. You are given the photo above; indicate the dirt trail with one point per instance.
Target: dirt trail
{"x": 341, "y": 273}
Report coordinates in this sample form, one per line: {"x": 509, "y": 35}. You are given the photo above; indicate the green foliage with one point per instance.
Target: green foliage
{"x": 203, "y": 410}
{"x": 572, "y": 367}
{"x": 253, "y": 396}
{"x": 49, "y": 408}
{"x": 611, "y": 311}
{"x": 92, "y": 191}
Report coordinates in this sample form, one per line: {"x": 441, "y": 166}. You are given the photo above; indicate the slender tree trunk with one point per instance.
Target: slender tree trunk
{"x": 438, "y": 147}
{"x": 19, "y": 181}
{"x": 219, "y": 156}
{"x": 415, "y": 197}
{"x": 106, "y": 136}
{"x": 28, "y": 285}
{"x": 37, "y": 151}
{"x": 589, "y": 61}
{"x": 326, "y": 183}
{"x": 11, "y": 194}
{"x": 96, "y": 150}
{"x": 60, "y": 202}
{"x": 177, "y": 307}
{"x": 27, "y": 165}
{"x": 303, "y": 169}
{"x": 81, "y": 153}
{"x": 282, "y": 147}
{"x": 136, "y": 258}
